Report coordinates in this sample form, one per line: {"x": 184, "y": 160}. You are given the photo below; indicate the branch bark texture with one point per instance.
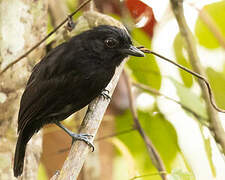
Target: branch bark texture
{"x": 22, "y": 24}
{"x": 215, "y": 124}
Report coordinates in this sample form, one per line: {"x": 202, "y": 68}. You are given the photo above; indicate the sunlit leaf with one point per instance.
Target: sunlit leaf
{"x": 42, "y": 175}
{"x": 72, "y": 4}
{"x": 161, "y": 133}
{"x": 190, "y": 99}
{"x": 204, "y": 35}
{"x": 217, "y": 81}
{"x": 144, "y": 69}
{"x": 132, "y": 171}
{"x": 179, "y": 174}
{"x": 208, "y": 149}
{"x": 178, "y": 46}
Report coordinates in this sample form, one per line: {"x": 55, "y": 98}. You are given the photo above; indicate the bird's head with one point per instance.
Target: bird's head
{"x": 111, "y": 43}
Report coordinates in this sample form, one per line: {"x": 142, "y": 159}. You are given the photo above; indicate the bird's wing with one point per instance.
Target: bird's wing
{"x": 45, "y": 88}
{"x": 40, "y": 99}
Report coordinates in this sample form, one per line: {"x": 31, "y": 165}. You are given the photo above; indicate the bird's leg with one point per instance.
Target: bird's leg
{"x": 105, "y": 93}
{"x": 77, "y": 137}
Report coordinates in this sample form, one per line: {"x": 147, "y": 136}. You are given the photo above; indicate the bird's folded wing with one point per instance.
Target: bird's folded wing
{"x": 38, "y": 99}
{"x": 45, "y": 87}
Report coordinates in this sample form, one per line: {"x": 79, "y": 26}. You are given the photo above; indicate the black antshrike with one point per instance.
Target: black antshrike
{"x": 68, "y": 78}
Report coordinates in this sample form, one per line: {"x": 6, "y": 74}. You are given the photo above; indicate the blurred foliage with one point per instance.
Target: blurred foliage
{"x": 217, "y": 82}
{"x": 42, "y": 175}
{"x": 178, "y": 174}
{"x": 204, "y": 35}
{"x": 144, "y": 70}
{"x": 190, "y": 99}
{"x": 72, "y": 4}
{"x": 160, "y": 131}
{"x": 128, "y": 159}
{"x": 208, "y": 149}
{"x": 132, "y": 158}
{"x": 179, "y": 50}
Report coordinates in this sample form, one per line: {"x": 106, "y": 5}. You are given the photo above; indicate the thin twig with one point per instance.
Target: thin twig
{"x": 154, "y": 155}
{"x": 147, "y": 175}
{"x": 215, "y": 124}
{"x": 45, "y": 38}
{"x": 104, "y": 137}
{"x": 115, "y": 134}
{"x": 145, "y": 50}
{"x": 157, "y": 93}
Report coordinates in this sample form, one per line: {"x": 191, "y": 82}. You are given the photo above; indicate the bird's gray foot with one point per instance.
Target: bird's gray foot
{"x": 78, "y": 137}
{"x": 83, "y": 137}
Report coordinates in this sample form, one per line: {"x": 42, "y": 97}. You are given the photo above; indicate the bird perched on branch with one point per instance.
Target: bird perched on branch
{"x": 67, "y": 79}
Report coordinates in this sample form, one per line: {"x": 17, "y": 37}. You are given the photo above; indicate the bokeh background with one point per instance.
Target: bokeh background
{"x": 181, "y": 136}
{"x": 169, "y": 101}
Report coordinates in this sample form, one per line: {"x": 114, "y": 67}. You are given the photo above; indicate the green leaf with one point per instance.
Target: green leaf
{"x": 130, "y": 164}
{"x": 160, "y": 131}
{"x": 209, "y": 154}
{"x": 190, "y": 99}
{"x": 204, "y": 35}
{"x": 178, "y": 46}
{"x": 72, "y": 5}
{"x": 179, "y": 174}
{"x": 162, "y": 134}
{"x": 42, "y": 175}
{"x": 144, "y": 69}
{"x": 217, "y": 82}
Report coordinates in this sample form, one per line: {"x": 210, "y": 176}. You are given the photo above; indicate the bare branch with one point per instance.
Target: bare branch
{"x": 96, "y": 109}
{"x": 216, "y": 126}
{"x": 208, "y": 87}
{"x": 148, "y": 175}
{"x": 105, "y": 137}
{"x": 44, "y": 39}
{"x": 115, "y": 134}
{"x": 157, "y": 93}
{"x": 154, "y": 155}
{"x": 90, "y": 125}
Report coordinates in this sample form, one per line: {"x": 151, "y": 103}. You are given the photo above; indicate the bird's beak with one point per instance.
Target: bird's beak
{"x": 133, "y": 51}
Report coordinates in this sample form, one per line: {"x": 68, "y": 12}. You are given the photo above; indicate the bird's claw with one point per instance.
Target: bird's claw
{"x": 70, "y": 24}
{"x": 105, "y": 95}
{"x": 83, "y": 137}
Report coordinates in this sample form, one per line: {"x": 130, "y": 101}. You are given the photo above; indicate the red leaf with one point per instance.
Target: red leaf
{"x": 142, "y": 14}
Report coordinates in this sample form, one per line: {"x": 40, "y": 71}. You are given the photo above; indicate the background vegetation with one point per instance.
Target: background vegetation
{"x": 169, "y": 101}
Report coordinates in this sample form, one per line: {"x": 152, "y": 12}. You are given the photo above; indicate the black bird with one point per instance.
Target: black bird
{"x": 67, "y": 79}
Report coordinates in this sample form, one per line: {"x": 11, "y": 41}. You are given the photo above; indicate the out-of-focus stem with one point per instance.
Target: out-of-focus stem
{"x": 215, "y": 124}
{"x": 153, "y": 153}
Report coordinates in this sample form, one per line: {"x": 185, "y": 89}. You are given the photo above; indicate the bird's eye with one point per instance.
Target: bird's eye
{"x": 111, "y": 42}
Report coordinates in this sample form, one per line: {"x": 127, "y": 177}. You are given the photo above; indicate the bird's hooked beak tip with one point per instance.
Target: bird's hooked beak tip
{"x": 133, "y": 51}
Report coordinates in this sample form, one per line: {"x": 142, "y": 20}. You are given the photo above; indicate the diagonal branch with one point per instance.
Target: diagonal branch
{"x": 43, "y": 40}
{"x": 148, "y": 175}
{"x": 105, "y": 137}
{"x": 198, "y": 75}
{"x": 90, "y": 125}
{"x": 216, "y": 126}
{"x": 153, "y": 153}
{"x": 157, "y": 93}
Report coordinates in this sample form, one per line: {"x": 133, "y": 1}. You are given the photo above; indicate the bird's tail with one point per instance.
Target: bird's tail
{"x": 20, "y": 151}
